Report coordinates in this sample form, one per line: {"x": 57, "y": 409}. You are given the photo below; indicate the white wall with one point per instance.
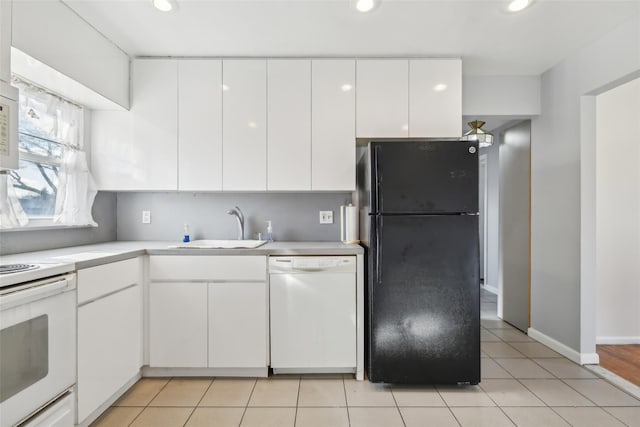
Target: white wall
{"x": 618, "y": 215}
{"x": 500, "y": 96}
{"x": 53, "y": 34}
{"x": 513, "y": 263}
{"x": 493, "y": 193}
{"x": 562, "y": 284}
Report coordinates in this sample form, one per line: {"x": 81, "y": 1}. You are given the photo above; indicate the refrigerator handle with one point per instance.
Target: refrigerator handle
{"x": 378, "y": 248}
{"x": 375, "y": 182}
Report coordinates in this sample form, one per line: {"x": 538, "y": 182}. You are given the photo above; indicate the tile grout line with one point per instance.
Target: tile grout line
{"x": 199, "y": 401}
{"x": 393, "y": 396}
{"x": 248, "y": 400}
{"x": 151, "y": 400}
{"x": 295, "y": 417}
{"x": 346, "y": 402}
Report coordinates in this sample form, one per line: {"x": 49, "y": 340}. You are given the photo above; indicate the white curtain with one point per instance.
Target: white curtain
{"x": 76, "y": 191}
{"x": 11, "y": 212}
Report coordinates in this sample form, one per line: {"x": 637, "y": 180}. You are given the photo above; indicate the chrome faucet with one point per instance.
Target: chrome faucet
{"x": 236, "y": 212}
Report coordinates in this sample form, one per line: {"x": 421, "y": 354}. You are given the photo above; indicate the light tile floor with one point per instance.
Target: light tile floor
{"x": 523, "y": 383}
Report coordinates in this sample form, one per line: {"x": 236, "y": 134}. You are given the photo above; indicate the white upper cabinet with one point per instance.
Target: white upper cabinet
{"x": 289, "y": 125}
{"x": 333, "y": 125}
{"x": 382, "y": 98}
{"x": 200, "y": 125}
{"x": 154, "y": 104}
{"x": 435, "y": 98}
{"x": 244, "y": 129}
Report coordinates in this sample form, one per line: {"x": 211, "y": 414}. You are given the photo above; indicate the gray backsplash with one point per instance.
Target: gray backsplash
{"x": 294, "y": 215}
{"x": 104, "y": 212}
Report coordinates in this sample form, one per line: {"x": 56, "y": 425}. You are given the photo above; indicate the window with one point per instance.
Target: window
{"x": 49, "y": 127}
{"x": 53, "y": 185}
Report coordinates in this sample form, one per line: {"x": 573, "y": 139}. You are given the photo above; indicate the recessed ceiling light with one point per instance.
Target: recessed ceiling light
{"x": 346, "y": 87}
{"x": 225, "y": 88}
{"x": 365, "y": 5}
{"x": 518, "y": 5}
{"x": 164, "y": 5}
{"x": 440, "y": 87}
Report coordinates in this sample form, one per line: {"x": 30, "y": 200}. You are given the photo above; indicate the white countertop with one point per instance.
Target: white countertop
{"x": 79, "y": 257}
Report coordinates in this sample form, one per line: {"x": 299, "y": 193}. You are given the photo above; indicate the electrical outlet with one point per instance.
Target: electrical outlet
{"x": 146, "y": 217}
{"x": 326, "y": 217}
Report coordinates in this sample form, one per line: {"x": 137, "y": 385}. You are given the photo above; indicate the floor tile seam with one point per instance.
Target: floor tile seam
{"x": 582, "y": 394}
{"x": 532, "y": 392}
{"x": 248, "y": 400}
{"x": 604, "y": 408}
{"x": 136, "y": 417}
{"x": 159, "y": 391}
{"x": 547, "y": 404}
{"x": 528, "y": 358}
{"x": 393, "y": 396}
{"x": 346, "y": 401}
{"x": 199, "y": 401}
{"x": 606, "y": 381}
{"x": 295, "y": 418}
{"x": 454, "y": 416}
{"x": 554, "y": 375}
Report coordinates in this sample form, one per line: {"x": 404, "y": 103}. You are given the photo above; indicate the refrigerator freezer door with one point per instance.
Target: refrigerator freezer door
{"x": 424, "y": 177}
{"x": 424, "y": 299}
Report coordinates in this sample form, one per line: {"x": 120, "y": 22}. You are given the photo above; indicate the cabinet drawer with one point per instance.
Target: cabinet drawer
{"x": 208, "y": 268}
{"x": 97, "y": 281}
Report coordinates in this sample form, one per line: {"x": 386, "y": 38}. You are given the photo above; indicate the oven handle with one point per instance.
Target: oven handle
{"x": 35, "y": 293}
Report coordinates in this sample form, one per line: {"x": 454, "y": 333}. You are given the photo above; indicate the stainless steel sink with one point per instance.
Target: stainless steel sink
{"x": 221, "y": 244}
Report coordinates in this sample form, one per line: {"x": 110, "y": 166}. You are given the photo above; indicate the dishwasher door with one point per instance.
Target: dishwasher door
{"x": 313, "y": 314}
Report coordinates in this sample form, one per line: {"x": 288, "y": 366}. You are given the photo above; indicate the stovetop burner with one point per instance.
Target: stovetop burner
{"x": 15, "y": 268}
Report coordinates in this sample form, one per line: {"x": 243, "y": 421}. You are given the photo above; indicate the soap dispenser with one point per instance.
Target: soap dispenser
{"x": 269, "y": 232}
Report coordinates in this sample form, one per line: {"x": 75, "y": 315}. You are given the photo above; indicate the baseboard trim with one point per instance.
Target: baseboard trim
{"x": 568, "y": 352}
{"x": 617, "y": 340}
{"x": 204, "y": 372}
{"x": 491, "y": 289}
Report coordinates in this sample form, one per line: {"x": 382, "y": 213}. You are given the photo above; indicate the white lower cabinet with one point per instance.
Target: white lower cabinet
{"x": 238, "y": 325}
{"x": 178, "y": 325}
{"x": 109, "y": 347}
{"x": 208, "y": 312}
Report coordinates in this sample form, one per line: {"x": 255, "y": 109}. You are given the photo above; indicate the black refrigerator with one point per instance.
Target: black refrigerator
{"x": 420, "y": 232}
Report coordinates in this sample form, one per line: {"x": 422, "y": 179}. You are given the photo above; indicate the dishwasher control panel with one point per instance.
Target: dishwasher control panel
{"x": 293, "y": 264}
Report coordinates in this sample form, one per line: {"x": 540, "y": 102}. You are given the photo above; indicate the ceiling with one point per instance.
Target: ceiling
{"x": 490, "y": 40}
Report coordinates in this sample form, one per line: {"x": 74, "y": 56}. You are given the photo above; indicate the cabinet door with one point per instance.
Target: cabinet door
{"x": 382, "y": 98}
{"x": 435, "y": 98}
{"x": 289, "y": 125}
{"x": 238, "y": 325}
{"x": 333, "y": 126}
{"x": 200, "y": 125}
{"x": 178, "y": 325}
{"x": 109, "y": 347}
{"x": 154, "y": 104}
{"x": 244, "y": 125}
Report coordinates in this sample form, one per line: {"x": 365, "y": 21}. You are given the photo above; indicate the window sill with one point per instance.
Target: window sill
{"x": 44, "y": 227}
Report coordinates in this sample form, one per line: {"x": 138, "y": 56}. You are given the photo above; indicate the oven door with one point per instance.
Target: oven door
{"x": 37, "y": 346}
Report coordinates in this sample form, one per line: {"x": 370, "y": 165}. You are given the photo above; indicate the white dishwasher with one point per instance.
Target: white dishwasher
{"x": 313, "y": 314}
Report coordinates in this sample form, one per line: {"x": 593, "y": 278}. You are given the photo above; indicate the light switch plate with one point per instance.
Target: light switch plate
{"x": 146, "y": 217}
{"x": 326, "y": 217}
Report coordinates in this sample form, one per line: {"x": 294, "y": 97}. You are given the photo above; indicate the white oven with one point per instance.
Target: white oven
{"x": 37, "y": 349}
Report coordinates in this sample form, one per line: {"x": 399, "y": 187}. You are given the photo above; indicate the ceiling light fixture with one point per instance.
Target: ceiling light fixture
{"x": 164, "y": 5}
{"x": 366, "y": 5}
{"x": 440, "y": 87}
{"x": 484, "y": 138}
{"x": 346, "y": 87}
{"x": 518, "y": 5}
